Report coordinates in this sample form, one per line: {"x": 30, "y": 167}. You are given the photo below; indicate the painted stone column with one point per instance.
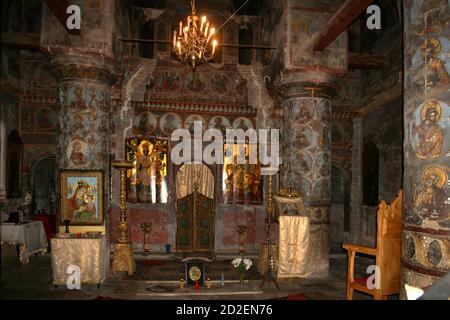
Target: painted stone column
{"x": 425, "y": 255}
{"x": 84, "y": 85}
{"x": 306, "y": 152}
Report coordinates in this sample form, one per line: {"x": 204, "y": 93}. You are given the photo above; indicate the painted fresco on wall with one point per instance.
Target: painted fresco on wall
{"x": 304, "y": 163}
{"x": 84, "y": 125}
{"x": 220, "y": 83}
{"x": 242, "y": 183}
{"x": 430, "y": 126}
{"x": 301, "y": 34}
{"x": 431, "y": 200}
{"x": 180, "y": 84}
{"x": 145, "y": 123}
{"x": 195, "y": 82}
{"x": 79, "y": 152}
{"x": 189, "y": 122}
{"x": 147, "y": 181}
{"x": 171, "y": 80}
{"x": 221, "y": 123}
{"x": 304, "y": 138}
{"x": 432, "y": 16}
{"x": 38, "y": 118}
{"x": 169, "y": 122}
{"x": 242, "y": 123}
{"x": 430, "y": 70}
{"x": 307, "y": 146}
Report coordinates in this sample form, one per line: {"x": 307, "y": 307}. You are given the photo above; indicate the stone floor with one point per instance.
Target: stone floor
{"x": 34, "y": 281}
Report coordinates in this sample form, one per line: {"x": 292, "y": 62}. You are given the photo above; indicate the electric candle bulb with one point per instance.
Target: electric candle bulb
{"x": 203, "y": 22}
{"x": 213, "y": 30}
{"x": 206, "y": 29}
{"x": 214, "y": 43}
{"x": 185, "y": 33}
{"x": 174, "y": 38}
{"x": 181, "y": 28}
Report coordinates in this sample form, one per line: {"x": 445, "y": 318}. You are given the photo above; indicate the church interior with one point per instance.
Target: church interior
{"x": 348, "y": 99}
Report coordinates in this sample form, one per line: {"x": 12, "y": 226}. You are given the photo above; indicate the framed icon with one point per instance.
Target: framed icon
{"x": 195, "y": 271}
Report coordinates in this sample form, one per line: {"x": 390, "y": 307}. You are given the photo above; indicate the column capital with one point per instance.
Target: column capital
{"x": 68, "y": 66}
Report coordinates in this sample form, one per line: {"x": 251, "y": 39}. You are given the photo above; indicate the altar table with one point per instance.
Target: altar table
{"x": 89, "y": 254}
{"x": 30, "y": 236}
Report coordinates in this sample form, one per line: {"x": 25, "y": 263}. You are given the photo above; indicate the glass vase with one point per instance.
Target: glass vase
{"x": 241, "y": 278}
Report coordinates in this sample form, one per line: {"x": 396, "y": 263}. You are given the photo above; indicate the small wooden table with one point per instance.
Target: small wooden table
{"x": 89, "y": 254}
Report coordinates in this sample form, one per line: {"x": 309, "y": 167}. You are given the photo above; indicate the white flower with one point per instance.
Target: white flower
{"x": 248, "y": 263}
{"x": 236, "y": 262}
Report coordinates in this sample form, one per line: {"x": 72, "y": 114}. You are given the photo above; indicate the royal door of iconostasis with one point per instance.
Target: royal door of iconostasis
{"x": 195, "y": 210}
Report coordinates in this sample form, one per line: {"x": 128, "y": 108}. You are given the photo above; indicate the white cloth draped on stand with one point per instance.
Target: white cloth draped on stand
{"x": 293, "y": 247}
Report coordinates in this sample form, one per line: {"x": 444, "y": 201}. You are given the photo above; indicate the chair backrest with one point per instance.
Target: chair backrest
{"x": 389, "y": 242}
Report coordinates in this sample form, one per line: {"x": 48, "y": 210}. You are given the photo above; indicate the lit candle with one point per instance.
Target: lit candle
{"x": 181, "y": 28}
{"x": 179, "y": 47}
{"x": 206, "y": 29}
{"x": 188, "y": 22}
{"x": 214, "y": 43}
{"x": 174, "y": 39}
{"x": 210, "y": 34}
{"x": 203, "y": 22}
{"x": 185, "y": 33}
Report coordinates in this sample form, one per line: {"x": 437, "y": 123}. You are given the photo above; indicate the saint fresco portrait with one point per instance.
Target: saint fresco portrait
{"x": 82, "y": 197}
{"x": 431, "y": 198}
{"x": 169, "y": 122}
{"x": 242, "y": 123}
{"x": 145, "y": 123}
{"x": 428, "y": 135}
{"x": 189, "y": 122}
{"x": 430, "y": 72}
{"x": 219, "y": 122}
{"x": 147, "y": 182}
{"x": 78, "y": 152}
{"x": 242, "y": 182}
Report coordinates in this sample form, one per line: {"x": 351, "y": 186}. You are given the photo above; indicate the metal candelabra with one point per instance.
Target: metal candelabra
{"x": 270, "y": 260}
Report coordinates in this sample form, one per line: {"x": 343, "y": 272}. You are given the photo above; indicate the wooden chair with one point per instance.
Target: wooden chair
{"x": 387, "y": 252}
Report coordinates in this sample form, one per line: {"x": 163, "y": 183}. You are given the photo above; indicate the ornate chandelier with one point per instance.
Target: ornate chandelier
{"x": 192, "y": 44}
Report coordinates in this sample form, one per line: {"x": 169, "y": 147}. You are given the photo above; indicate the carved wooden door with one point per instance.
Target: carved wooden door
{"x": 195, "y": 223}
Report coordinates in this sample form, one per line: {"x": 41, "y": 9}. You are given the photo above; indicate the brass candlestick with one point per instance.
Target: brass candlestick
{"x": 271, "y": 261}
{"x": 123, "y": 259}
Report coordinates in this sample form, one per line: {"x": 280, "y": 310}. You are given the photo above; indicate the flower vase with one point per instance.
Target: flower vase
{"x": 146, "y": 242}
{"x": 241, "y": 278}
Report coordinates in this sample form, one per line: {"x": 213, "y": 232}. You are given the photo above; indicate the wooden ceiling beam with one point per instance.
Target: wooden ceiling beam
{"x": 341, "y": 20}
{"x": 59, "y": 8}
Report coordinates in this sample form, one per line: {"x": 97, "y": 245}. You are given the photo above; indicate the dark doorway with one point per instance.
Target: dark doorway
{"x": 44, "y": 186}
{"x": 370, "y": 169}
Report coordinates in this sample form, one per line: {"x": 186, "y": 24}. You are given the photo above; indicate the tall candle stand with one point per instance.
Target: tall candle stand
{"x": 268, "y": 278}
{"x": 123, "y": 259}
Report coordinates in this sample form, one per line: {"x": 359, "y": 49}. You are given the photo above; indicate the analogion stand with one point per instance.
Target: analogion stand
{"x": 123, "y": 259}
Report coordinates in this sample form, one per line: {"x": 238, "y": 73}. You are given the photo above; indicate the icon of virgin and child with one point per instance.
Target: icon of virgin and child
{"x": 81, "y": 205}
